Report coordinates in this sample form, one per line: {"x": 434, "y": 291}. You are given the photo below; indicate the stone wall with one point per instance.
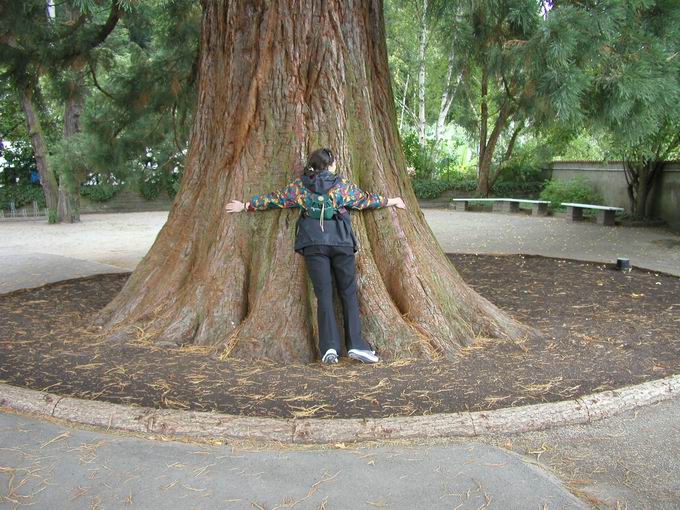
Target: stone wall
{"x": 610, "y": 180}
{"x": 126, "y": 200}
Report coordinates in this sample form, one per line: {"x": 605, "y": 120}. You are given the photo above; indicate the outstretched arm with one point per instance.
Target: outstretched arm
{"x": 283, "y": 199}
{"x": 356, "y": 198}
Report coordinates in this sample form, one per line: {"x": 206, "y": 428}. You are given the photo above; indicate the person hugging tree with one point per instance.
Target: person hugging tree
{"x": 325, "y": 238}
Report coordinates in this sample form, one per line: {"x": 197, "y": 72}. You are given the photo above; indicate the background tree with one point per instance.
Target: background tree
{"x": 35, "y": 39}
{"x": 277, "y": 79}
{"x": 139, "y": 109}
{"x": 634, "y": 92}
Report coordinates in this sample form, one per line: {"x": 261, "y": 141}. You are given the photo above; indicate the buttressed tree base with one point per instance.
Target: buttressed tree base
{"x": 278, "y": 79}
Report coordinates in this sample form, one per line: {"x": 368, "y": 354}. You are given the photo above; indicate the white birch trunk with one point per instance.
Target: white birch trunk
{"x": 447, "y": 95}
{"x": 403, "y": 103}
{"x": 421, "y": 74}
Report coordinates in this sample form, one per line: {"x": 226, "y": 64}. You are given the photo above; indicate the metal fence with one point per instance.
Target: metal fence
{"x": 24, "y": 212}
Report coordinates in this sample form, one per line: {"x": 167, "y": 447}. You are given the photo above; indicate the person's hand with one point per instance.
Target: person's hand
{"x": 235, "y": 206}
{"x": 396, "y": 202}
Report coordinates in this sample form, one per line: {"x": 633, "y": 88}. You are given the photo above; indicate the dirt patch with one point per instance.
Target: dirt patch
{"x": 603, "y": 330}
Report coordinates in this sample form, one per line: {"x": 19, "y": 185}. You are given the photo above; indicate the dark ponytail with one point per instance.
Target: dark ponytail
{"x": 318, "y": 161}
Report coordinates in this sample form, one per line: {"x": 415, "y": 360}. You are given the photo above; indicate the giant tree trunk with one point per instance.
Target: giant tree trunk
{"x": 47, "y": 177}
{"x": 278, "y": 79}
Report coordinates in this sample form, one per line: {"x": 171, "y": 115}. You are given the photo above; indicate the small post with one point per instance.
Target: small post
{"x": 623, "y": 264}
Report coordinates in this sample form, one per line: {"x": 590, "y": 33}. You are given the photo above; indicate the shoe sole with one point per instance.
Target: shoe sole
{"x": 358, "y": 357}
{"x": 329, "y": 360}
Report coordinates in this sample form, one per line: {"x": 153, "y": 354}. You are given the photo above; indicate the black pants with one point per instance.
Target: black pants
{"x": 324, "y": 262}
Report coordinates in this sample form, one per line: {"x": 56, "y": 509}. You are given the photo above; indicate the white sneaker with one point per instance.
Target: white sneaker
{"x": 331, "y": 356}
{"x": 363, "y": 356}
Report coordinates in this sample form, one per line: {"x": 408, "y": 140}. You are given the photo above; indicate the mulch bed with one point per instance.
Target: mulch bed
{"x": 604, "y": 330}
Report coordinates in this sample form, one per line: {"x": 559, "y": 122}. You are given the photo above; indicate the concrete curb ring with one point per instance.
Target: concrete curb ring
{"x": 215, "y": 426}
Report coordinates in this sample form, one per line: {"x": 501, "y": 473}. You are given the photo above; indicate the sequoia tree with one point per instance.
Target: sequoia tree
{"x": 277, "y": 79}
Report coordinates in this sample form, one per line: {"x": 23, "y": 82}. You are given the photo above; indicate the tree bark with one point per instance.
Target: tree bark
{"x": 508, "y": 152}
{"x": 47, "y": 177}
{"x": 641, "y": 178}
{"x": 482, "y": 170}
{"x": 278, "y": 79}
{"x": 69, "y": 182}
{"x": 488, "y": 146}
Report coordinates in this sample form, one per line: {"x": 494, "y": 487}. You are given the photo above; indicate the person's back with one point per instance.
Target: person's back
{"x": 328, "y": 245}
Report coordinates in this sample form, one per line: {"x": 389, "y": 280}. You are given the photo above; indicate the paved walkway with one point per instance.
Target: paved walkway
{"x": 628, "y": 461}
{"x": 486, "y": 232}
{"x": 69, "y": 468}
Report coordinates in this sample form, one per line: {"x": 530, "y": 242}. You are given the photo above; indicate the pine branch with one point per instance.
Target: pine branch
{"x": 96, "y": 83}
{"x": 72, "y": 29}
{"x": 99, "y": 37}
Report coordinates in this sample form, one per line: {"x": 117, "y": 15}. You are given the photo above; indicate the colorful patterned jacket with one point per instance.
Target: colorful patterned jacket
{"x": 345, "y": 194}
{"x": 309, "y": 232}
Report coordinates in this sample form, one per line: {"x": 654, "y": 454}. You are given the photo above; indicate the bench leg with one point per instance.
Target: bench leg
{"x": 575, "y": 213}
{"x": 606, "y": 218}
{"x": 539, "y": 209}
{"x": 505, "y": 207}
{"x": 460, "y": 206}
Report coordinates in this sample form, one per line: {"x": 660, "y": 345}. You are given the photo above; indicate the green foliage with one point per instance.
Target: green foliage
{"x": 576, "y": 190}
{"x": 528, "y": 162}
{"x": 582, "y": 145}
{"x": 146, "y": 93}
{"x": 437, "y": 161}
{"x": 155, "y": 179}
{"x": 21, "y": 194}
{"x": 419, "y": 157}
{"x": 18, "y": 163}
{"x": 99, "y": 192}
{"x": 429, "y": 189}
{"x": 518, "y": 189}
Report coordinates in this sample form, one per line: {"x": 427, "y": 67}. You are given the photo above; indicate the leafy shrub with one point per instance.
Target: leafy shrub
{"x": 429, "y": 188}
{"x": 173, "y": 180}
{"x": 528, "y": 161}
{"x": 518, "y": 189}
{"x": 21, "y": 194}
{"x": 99, "y": 192}
{"x": 577, "y": 190}
{"x": 419, "y": 157}
{"x": 150, "y": 185}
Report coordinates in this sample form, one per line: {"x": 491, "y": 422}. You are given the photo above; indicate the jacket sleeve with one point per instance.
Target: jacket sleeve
{"x": 286, "y": 198}
{"x": 355, "y": 198}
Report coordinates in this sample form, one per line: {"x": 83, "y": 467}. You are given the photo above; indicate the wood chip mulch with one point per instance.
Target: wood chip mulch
{"x": 604, "y": 329}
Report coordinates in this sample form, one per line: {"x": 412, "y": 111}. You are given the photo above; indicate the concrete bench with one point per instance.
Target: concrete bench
{"x": 605, "y": 214}
{"x": 538, "y": 207}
